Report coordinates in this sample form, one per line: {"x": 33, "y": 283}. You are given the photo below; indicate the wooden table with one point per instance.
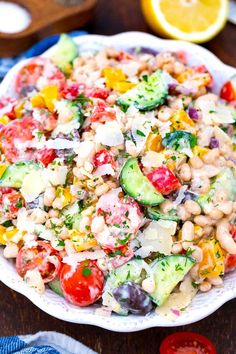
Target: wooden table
{"x": 20, "y": 316}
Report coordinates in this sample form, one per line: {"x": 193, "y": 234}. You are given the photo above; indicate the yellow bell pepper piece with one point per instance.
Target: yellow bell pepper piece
{"x": 19, "y": 109}
{"x": 10, "y": 233}
{"x": 4, "y": 120}
{"x": 200, "y": 151}
{"x": 185, "y": 75}
{"x": 181, "y": 120}
{"x": 37, "y": 101}
{"x": 2, "y": 169}
{"x": 2, "y": 231}
{"x": 65, "y": 195}
{"x": 198, "y": 231}
{"x": 82, "y": 241}
{"x": 123, "y": 86}
{"x": 50, "y": 94}
{"x": 212, "y": 264}
{"x": 153, "y": 142}
{"x": 113, "y": 76}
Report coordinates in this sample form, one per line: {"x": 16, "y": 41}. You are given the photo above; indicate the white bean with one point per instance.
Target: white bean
{"x": 185, "y": 173}
{"x": 176, "y": 248}
{"x": 11, "y": 251}
{"x": 84, "y": 223}
{"x": 49, "y": 196}
{"x": 202, "y": 220}
{"x": 38, "y": 216}
{"x": 98, "y": 224}
{"x": 192, "y": 207}
{"x": 187, "y": 234}
{"x": 211, "y": 156}
{"x": 196, "y": 253}
{"x": 102, "y": 189}
{"x": 225, "y": 238}
{"x": 205, "y": 286}
{"x": 226, "y": 207}
{"x": 216, "y": 281}
{"x": 195, "y": 162}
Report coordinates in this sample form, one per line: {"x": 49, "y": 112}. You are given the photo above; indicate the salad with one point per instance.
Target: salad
{"x": 118, "y": 178}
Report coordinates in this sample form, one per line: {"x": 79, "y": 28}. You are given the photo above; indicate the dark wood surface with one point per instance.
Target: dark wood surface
{"x": 19, "y": 316}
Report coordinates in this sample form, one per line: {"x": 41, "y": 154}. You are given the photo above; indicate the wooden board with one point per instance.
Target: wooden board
{"x": 48, "y": 17}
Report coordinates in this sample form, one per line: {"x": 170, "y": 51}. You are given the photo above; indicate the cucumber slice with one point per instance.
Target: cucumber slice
{"x": 55, "y": 285}
{"x": 136, "y": 185}
{"x": 155, "y": 214}
{"x": 14, "y": 174}
{"x": 148, "y": 94}
{"x": 66, "y": 51}
{"x": 168, "y": 272}
{"x": 135, "y": 271}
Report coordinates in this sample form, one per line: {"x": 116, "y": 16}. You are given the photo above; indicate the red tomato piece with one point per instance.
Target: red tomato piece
{"x": 42, "y": 257}
{"x": 45, "y": 156}
{"x": 164, "y": 180}
{"x": 232, "y": 230}
{"x": 102, "y": 113}
{"x": 7, "y": 105}
{"x": 72, "y": 91}
{"x": 97, "y": 92}
{"x": 187, "y": 343}
{"x": 125, "y": 56}
{"x": 230, "y": 262}
{"x": 10, "y": 202}
{"x": 37, "y": 68}
{"x": 103, "y": 157}
{"x": 228, "y": 92}
{"x": 15, "y": 133}
{"x": 83, "y": 284}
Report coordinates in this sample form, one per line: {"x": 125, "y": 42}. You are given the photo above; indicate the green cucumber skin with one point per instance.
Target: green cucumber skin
{"x": 136, "y": 185}
{"x": 55, "y": 286}
{"x": 147, "y": 95}
{"x": 156, "y": 215}
{"x": 65, "y": 52}
{"x": 13, "y": 176}
{"x": 168, "y": 272}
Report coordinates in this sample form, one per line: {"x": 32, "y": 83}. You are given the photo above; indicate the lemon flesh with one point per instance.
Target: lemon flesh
{"x": 191, "y": 20}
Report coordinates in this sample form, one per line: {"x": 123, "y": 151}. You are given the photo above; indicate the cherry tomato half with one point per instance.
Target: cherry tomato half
{"x": 97, "y": 92}
{"x": 16, "y": 132}
{"x": 82, "y": 284}
{"x": 29, "y": 75}
{"x": 103, "y": 157}
{"x": 42, "y": 257}
{"x": 10, "y": 202}
{"x": 187, "y": 343}
{"x": 228, "y": 92}
{"x": 164, "y": 180}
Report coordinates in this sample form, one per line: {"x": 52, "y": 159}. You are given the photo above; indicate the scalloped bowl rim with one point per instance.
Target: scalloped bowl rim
{"x": 203, "y": 305}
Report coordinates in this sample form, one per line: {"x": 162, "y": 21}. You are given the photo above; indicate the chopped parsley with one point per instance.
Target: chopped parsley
{"x": 116, "y": 253}
{"x": 139, "y": 132}
{"x": 86, "y": 272}
{"x": 61, "y": 243}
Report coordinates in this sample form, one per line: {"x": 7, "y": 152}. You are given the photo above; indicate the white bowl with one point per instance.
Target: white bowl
{"x": 203, "y": 304}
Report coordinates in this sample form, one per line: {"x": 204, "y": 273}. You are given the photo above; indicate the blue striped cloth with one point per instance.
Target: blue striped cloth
{"x": 42, "y": 343}
{"x": 7, "y": 63}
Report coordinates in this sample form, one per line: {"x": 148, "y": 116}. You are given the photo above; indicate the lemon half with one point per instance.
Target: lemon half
{"x": 191, "y": 20}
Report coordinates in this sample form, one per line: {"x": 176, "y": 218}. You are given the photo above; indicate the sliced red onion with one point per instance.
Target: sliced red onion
{"x": 142, "y": 50}
{"x": 193, "y": 114}
{"x": 214, "y": 143}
